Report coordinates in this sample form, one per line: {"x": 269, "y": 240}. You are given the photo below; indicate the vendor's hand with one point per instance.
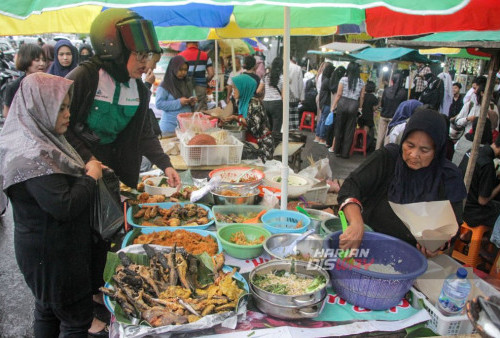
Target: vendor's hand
{"x": 193, "y": 100}
{"x": 150, "y": 76}
{"x": 93, "y": 168}
{"x": 185, "y": 101}
{"x": 471, "y": 118}
{"x": 352, "y": 236}
{"x": 428, "y": 253}
{"x": 229, "y": 118}
{"x": 173, "y": 177}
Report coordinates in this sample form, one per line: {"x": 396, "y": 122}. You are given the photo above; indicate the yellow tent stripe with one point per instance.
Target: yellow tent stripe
{"x": 439, "y": 51}
{"x": 68, "y": 20}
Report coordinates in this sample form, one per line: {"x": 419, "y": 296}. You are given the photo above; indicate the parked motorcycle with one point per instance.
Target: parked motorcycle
{"x": 8, "y": 73}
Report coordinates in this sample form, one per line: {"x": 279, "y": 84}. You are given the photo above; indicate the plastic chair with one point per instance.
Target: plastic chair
{"x": 472, "y": 257}
{"x": 354, "y": 146}
{"x": 303, "y": 124}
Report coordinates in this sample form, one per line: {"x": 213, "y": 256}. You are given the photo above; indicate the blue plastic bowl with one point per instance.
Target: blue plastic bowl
{"x": 284, "y": 221}
{"x": 370, "y": 289}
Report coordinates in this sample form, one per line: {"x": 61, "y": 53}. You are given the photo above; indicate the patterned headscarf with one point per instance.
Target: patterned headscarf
{"x": 29, "y": 145}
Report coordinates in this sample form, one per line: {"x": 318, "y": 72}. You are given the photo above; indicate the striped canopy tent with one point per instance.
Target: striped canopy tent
{"x": 17, "y": 17}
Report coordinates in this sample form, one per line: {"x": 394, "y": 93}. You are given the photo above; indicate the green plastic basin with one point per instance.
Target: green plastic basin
{"x": 251, "y": 232}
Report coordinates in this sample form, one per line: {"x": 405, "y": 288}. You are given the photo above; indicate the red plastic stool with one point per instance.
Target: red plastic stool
{"x": 303, "y": 124}
{"x": 472, "y": 257}
{"x": 354, "y": 146}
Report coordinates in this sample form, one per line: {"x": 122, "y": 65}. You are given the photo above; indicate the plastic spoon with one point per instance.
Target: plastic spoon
{"x": 244, "y": 173}
{"x": 288, "y": 250}
{"x": 343, "y": 221}
{"x": 303, "y": 211}
{"x": 256, "y": 219}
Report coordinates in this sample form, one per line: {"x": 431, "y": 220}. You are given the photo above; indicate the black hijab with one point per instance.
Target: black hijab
{"x": 397, "y": 80}
{"x": 171, "y": 83}
{"x": 425, "y": 184}
{"x": 116, "y": 68}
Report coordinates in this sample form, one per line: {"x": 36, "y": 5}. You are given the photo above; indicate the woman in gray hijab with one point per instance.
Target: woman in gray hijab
{"x": 51, "y": 190}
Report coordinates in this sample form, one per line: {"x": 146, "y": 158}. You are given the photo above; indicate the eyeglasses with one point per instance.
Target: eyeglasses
{"x": 144, "y": 56}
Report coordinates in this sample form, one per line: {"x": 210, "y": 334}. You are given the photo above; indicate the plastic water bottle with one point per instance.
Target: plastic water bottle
{"x": 454, "y": 293}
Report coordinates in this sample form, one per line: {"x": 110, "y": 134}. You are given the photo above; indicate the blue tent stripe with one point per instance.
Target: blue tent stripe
{"x": 199, "y": 15}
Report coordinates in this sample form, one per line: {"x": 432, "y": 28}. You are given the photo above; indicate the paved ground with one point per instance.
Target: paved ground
{"x": 16, "y": 301}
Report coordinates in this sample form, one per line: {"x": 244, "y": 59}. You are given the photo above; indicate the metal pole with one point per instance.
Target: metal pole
{"x": 482, "y": 118}
{"x": 286, "y": 99}
{"x": 233, "y": 58}
{"x": 216, "y": 73}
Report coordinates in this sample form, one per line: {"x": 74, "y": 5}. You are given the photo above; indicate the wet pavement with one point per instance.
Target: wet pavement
{"x": 16, "y": 300}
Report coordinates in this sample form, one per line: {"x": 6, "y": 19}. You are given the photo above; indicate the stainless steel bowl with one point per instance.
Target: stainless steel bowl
{"x": 309, "y": 245}
{"x": 247, "y": 196}
{"x": 317, "y": 217}
{"x": 287, "y": 312}
{"x": 301, "y": 268}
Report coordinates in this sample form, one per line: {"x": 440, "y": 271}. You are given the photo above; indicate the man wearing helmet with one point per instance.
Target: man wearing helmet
{"x": 110, "y": 102}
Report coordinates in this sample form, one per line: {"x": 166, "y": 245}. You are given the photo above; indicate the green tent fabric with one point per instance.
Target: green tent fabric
{"x": 462, "y": 36}
{"x": 23, "y": 8}
{"x": 465, "y": 55}
{"x": 387, "y": 54}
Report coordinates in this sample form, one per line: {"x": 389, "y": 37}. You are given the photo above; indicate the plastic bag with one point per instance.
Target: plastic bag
{"x": 270, "y": 199}
{"x": 107, "y": 212}
{"x": 195, "y": 122}
{"x": 319, "y": 170}
{"x": 329, "y": 119}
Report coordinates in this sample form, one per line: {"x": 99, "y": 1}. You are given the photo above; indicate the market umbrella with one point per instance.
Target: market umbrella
{"x": 256, "y": 14}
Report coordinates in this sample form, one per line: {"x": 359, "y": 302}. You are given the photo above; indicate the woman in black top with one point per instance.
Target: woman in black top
{"x": 51, "y": 190}
{"x": 30, "y": 59}
{"x": 391, "y": 98}
{"x": 416, "y": 171}
{"x": 370, "y": 104}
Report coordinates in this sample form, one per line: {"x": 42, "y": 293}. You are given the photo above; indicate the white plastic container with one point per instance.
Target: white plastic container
{"x": 198, "y": 155}
{"x": 439, "y": 323}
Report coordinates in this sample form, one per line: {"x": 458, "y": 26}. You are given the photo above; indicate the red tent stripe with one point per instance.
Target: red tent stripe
{"x": 478, "y": 15}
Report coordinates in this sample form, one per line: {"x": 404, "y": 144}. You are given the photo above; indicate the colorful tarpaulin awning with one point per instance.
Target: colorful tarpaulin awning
{"x": 463, "y": 36}
{"x": 388, "y": 54}
{"x": 61, "y": 16}
{"x": 478, "y": 15}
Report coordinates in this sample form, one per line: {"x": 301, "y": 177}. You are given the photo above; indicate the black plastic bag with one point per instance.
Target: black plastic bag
{"x": 108, "y": 213}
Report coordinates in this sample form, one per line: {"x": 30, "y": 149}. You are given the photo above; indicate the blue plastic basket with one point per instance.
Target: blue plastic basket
{"x": 131, "y": 235}
{"x": 370, "y": 289}
{"x": 168, "y": 205}
{"x": 284, "y": 221}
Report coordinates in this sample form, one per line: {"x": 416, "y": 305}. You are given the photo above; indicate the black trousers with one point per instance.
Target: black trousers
{"x": 72, "y": 320}
{"x": 274, "y": 111}
{"x": 347, "y": 113}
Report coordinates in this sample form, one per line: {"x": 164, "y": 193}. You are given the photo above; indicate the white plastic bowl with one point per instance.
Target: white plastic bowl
{"x": 155, "y": 189}
{"x": 300, "y": 187}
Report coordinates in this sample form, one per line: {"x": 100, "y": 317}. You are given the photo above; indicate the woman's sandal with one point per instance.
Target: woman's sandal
{"x": 103, "y": 333}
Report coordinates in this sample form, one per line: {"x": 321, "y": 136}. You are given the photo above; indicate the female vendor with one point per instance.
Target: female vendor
{"x": 252, "y": 116}
{"x": 416, "y": 171}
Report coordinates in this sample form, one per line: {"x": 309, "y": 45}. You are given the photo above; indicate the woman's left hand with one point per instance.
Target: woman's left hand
{"x": 428, "y": 253}
{"x": 173, "y": 177}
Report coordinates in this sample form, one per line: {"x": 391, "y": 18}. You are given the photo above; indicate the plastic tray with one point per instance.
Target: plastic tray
{"x": 439, "y": 323}
{"x": 317, "y": 194}
{"x": 236, "y": 209}
{"x": 198, "y": 155}
{"x": 131, "y": 235}
{"x": 167, "y": 205}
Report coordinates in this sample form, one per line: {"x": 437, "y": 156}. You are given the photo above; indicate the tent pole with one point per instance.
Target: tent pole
{"x": 285, "y": 93}
{"x": 482, "y": 118}
{"x": 233, "y": 58}
{"x": 216, "y": 73}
